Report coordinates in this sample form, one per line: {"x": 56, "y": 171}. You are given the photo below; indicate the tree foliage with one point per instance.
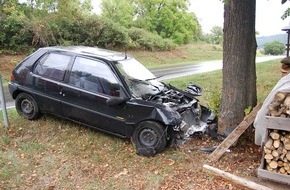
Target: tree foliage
{"x": 169, "y": 19}
{"x": 215, "y": 36}
{"x": 274, "y": 48}
{"x": 119, "y": 11}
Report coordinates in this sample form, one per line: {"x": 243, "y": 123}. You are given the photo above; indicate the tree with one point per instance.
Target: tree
{"x": 274, "y": 48}
{"x": 217, "y": 35}
{"x": 119, "y": 11}
{"x": 169, "y": 19}
{"x": 239, "y": 69}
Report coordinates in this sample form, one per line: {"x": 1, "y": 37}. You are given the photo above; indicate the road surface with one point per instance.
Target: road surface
{"x": 173, "y": 72}
{"x": 180, "y": 71}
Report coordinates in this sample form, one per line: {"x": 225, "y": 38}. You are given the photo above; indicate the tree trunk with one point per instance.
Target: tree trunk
{"x": 239, "y": 67}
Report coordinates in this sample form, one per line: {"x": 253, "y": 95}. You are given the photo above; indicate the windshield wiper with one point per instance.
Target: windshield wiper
{"x": 154, "y": 78}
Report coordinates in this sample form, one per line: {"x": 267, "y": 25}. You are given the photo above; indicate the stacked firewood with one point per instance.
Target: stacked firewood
{"x": 285, "y": 67}
{"x": 280, "y": 105}
{"x": 277, "y": 151}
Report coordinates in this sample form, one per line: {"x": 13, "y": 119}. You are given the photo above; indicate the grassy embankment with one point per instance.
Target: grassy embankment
{"x": 51, "y": 153}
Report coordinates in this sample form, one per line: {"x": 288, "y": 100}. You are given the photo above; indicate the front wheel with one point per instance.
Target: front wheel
{"x": 149, "y": 137}
{"x": 26, "y": 106}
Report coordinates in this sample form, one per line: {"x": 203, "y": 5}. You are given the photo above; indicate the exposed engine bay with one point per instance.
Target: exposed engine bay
{"x": 196, "y": 118}
{"x": 185, "y": 115}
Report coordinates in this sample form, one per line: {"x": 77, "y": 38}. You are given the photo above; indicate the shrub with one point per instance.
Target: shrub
{"x": 149, "y": 41}
{"x": 274, "y": 48}
{"x": 113, "y": 35}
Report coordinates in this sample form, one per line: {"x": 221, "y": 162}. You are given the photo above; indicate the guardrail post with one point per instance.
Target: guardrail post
{"x": 3, "y": 103}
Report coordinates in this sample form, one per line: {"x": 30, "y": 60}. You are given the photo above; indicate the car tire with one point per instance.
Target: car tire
{"x": 26, "y": 106}
{"x": 149, "y": 138}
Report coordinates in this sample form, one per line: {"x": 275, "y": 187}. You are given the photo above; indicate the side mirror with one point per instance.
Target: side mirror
{"x": 116, "y": 101}
{"x": 193, "y": 89}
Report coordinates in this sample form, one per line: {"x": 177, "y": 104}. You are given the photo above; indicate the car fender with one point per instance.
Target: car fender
{"x": 139, "y": 110}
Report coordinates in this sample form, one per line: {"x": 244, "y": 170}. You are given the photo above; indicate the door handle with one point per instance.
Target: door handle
{"x": 61, "y": 92}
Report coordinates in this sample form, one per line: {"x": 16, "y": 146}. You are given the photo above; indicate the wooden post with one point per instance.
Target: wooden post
{"x": 242, "y": 181}
{"x": 233, "y": 137}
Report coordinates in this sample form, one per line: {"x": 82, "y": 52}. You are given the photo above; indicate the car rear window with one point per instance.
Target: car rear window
{"x": 53, "y": 65}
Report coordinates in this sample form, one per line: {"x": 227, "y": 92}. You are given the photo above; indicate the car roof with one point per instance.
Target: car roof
{"x": 91, "y": 51}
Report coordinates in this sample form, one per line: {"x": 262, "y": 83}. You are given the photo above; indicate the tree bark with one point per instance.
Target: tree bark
{"x": 239, "y": 67}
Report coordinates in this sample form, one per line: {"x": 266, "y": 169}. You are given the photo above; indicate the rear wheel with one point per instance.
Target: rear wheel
{"x": 26, "y": 106}
{"x": 149, "y": 138}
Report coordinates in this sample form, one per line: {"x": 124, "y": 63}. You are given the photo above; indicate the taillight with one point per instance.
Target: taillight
{"x": 12, "y": 78}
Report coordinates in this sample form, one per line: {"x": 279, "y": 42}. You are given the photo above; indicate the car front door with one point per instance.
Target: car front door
{"x": 91, "y": 83}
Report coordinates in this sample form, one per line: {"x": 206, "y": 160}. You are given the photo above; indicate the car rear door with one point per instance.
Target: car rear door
{"x": 91, "y": 83}
{"x": 48, "y": 77}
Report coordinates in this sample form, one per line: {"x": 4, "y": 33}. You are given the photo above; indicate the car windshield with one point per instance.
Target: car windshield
{"x": 139, "y": 79}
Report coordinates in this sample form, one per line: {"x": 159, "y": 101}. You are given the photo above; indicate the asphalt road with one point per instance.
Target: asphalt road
{"x": 180, "y": 71}
{"x": 171, "y": 72}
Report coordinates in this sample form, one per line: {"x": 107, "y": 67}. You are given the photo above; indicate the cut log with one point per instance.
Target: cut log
{"x": 280, "y": 96}
{"x": 276, "y": 143}
{"x": 275, "y": 154}
{"x": 280, "y": 148}
{"x": 280, "y": 105}
{"x": 268, "y": 156}
{"x": 286, "y": 143}
{"x": 269, "y": 168}
{"x": 282, "y": 110}
{"x": 288, "y": 155}
{"x": 282, "y": 156}
{"x": 287, "y": 101}
{"x": 274, "y": 135}
{"x": 274, "y": 106}
{"x": 273, "y": 164}
{"x": 269, "y": 143}
{"x": 280, "y": 163}
{"x": 286, "y": 166}
{"x": 267, "y": 150}
{"x": 282, "y": 171}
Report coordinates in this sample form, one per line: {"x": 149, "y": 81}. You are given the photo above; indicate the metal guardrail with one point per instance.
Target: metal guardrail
{"x": 3, "y": 103}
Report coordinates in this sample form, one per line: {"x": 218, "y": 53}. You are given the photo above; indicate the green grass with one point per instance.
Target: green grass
{"x": 187, "y": 54}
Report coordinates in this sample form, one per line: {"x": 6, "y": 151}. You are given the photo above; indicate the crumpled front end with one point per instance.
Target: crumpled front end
{"x": 195, "y": 117}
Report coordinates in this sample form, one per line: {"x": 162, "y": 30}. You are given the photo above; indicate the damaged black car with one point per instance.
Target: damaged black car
{"x": 108, "y": 91}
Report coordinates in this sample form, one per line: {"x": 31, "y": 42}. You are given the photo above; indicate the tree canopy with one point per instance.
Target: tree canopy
{"x": 169, "y": 19}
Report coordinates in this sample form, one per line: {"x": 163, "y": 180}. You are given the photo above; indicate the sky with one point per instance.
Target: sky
{"x": 210, "y": 13}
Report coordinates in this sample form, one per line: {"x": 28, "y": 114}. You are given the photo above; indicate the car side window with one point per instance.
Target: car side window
{"x": 94, "y": 76}
{"x": 53, "y": 65}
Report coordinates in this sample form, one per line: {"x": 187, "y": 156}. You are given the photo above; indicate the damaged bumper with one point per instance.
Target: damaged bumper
{"x": 195, "y": 118}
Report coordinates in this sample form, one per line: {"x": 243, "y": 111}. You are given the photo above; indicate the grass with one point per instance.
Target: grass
{"x": 188, "y": 54}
